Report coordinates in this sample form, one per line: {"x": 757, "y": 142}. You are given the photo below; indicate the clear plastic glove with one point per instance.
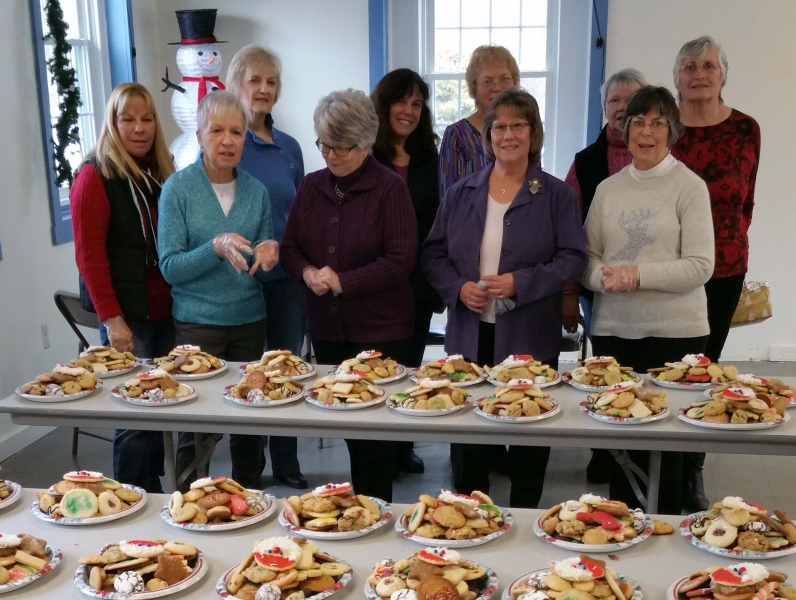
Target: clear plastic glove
{"x": 266, "y": 255}
{"x": 502, "y": 305}
{"x": 620, "y": 279}
{"x": 330, "y": 278}
{"x": 229, "y": 246}
{"x": 119, "y": 334}
{"x": 473, "y": 297}
{"x": 312, "y": 278}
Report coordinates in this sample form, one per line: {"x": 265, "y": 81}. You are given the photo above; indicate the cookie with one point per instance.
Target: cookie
{"x": 109, "y": 503}
{"x": 720, "y": 534}
{"x": 172, "y": 569}
{"x": 596, "y": 536}
{"x": 662, "y": 528}
{"x": 127, "y": 495}
{"x": 449, "y": 517}
{"x": 79, "y": 504}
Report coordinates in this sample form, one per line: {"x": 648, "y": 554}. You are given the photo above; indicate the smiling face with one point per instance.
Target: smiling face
{"x": 616, "y": 102}
{"x": 340, "y": 166}
{"x": 405, "y": 114}
{"x": 699, "y": 78}
{"x": 648, "y": 139}
{"x": 511, "y": 137}
{"x": 199, "y": 60}
{"x": 493, "y": 79}
{"x": 222, "y": 139}
{"x": 258, "y": 89}
{"x": 136, "y": 126}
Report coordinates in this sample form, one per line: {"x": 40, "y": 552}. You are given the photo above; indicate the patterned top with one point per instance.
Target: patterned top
{"x": 461, "y": 153}
{"x": 726, "y": 157}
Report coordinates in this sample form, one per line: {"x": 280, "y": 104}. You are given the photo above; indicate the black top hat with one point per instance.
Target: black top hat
{"x": 196, "y": 27}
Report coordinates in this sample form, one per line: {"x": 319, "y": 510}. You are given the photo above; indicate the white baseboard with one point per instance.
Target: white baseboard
{"x": 21, "y": 438}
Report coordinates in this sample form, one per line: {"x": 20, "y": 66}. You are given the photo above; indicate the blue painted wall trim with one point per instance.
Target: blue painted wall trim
{"x": 377, "y": 40}
{"x": 599, "y": 25}
{"x": 121, "y": 44}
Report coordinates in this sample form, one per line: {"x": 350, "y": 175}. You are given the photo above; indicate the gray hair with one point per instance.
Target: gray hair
{"x": 216, "y": 103}
{"x": 253, "y": 56}
{"x": 517, "y": 100}
{"x": 623, "y": 77}
{"x": 695, "y": 49}
{"x": 346, "y": 118}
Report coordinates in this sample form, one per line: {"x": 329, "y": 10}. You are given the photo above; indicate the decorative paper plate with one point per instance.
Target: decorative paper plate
{"x": 269, "y": 510}
{"x": 56, "y": 399}
{"x": 186, "y": 377}
{"x": 119, "y": 373}
{"x": 13, "y": 497}
{"x": 386, "y": 515}
{"x": 55, "y": 556}
{"x": 623, "y": 420}
{"x": 541, "y": 386}
{"x": 709, "y": 395}
{"x": 731, "y": 426}
{"x": 141, "y": 401}
{"x": 399, "y": 375}
{"x": 34, "y": 508}
{"x": 413, "y": 412}
{"x": 81, "y": 582}
{"x": 540, "y": 573}
{"x": 503, "y": 419}
{"x": 342, "y": 581}
{"x": 685, "y": 531}
{"x": 593, "y": 548}
{"x": 671, "y": 593}
{"x": 310, "y": 373}
{"x": 261, "y": 403}
{"x": 459, "y": 384}
{"x": 595, "y": 388}
{"x": 344, "y": 407}
{"x": 487, "y": 587}
{"x": 508, "y": 522}
{"x": 682, "y": 385}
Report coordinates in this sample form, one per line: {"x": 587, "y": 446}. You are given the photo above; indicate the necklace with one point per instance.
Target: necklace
{"x": 338, "y": 192}
{"x": 222, "y": 189}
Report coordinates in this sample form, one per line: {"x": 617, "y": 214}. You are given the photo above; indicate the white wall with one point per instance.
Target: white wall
{"x": 759, "y": 41}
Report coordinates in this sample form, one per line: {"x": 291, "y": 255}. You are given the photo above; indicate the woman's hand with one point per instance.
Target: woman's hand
{"x": 119, "y": 334}
{"x": 500, "y": 286}
{"x": 620, "y": 279}
{"x": 570, "y": 311}
{"x": 330, "y": 278}
{"x": 312, "y": 278}
{"x": 473, "y": 297}
{"x": 229, "y": 246}
{"x": 266, "y": 255}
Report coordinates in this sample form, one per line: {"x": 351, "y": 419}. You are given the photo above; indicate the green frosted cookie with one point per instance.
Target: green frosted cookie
{"x": 79, "y": 504}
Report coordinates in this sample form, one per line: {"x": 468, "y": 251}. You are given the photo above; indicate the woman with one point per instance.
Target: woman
{"x": 479, "y": 250}
{"x": 722, "y": 146}
{"x": 212, "y": 216}
{"x": 650, "y": 245}
{"x": 273, "y": 158}
{"x": 352, "y": 238}
{"x": 491, "y": 70}
{"x": 114, "y": 201}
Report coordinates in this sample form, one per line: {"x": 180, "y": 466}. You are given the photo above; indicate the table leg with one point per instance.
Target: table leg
{"x": 169, "y": 464}
{"x": 654, "y": 481}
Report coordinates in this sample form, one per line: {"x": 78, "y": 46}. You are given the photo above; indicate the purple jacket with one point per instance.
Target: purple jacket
{"x": 543, "y": 247}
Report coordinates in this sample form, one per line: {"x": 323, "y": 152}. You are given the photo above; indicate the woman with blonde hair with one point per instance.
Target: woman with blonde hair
{"x": 114, "y": 202}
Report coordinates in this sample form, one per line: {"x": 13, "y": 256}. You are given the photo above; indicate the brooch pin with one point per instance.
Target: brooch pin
{"x": 534, "y": 186}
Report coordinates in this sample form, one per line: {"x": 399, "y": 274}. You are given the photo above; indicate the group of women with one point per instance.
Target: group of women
{"x": 241, "y": 247}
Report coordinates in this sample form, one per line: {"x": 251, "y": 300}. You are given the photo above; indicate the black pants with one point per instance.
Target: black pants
{"x": 372, "y": 461}
{"x": 643, "y": 354}
{"x": 235, "y": 343}
{"x": 527, "y": 464}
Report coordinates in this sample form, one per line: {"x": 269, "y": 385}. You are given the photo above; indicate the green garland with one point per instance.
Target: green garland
{"x": 65, "y": 80}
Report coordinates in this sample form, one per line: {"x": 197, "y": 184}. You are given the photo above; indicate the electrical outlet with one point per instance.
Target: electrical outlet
{"x": 45, "y": 337}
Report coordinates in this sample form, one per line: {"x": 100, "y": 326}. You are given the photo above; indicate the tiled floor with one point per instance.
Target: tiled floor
{"x": 767, "y": 480}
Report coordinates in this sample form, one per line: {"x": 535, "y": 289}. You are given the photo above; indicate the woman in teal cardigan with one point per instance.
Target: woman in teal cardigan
{"x": 215, "y": 238}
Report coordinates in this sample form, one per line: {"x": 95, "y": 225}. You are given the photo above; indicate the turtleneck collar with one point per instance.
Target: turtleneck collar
{"x": 663, "y": 167}
{"x": 346, "y": 182}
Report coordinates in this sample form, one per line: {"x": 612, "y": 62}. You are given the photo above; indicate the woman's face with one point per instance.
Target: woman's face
{"x": 511, "y": 138}
{"x": 343, "y": 160}
{"x": 136, "y": 127}
{"x": 493, "y": 79}
{"x": 222, "y": 139}
{"x": 700, "y": 78}
{"x": 258, "y": 90}
{"x": 616, "y": 102}
{"x": 648, "y": 139}
{"x": 405, "y": 114}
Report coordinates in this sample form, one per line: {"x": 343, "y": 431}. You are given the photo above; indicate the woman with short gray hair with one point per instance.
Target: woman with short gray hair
{"x": 351, "y": 239}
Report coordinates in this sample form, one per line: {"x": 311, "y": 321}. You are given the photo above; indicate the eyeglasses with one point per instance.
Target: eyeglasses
{"x": 516, "y": 128}
{"x": 488, "y": 83}
{"x": 340, "y": 151}
{"x": 615, "y": 102}
{"x": 692, "y": 67}
{"x": 656, "y": 125}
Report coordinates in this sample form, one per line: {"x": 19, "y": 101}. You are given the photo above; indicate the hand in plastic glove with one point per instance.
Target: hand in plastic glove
{"x": 229, "y": 246}
{"x": 620, "y": 279}
{"x": 330, "y": 278}
{"x": 570, "y": 311}
{"x": 312, "y": 278}
{"x": 473, "y": 297}
{"x": 119, "y": 334}
{"x": 266, "y": 255}
{"x": 500, "y": 286}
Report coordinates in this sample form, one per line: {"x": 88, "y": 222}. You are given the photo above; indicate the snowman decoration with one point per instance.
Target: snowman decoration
{"x": 199, "y": 62}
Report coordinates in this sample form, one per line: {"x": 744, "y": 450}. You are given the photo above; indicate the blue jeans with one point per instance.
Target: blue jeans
{"x": 138, "y": 455}
{"x": 587, "y": 305}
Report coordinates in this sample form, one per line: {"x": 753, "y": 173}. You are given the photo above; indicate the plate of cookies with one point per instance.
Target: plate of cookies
{"x": 333, "y": 512}
{"x": 87, "y": 498}
{"x": 105, "y": 361}
{"x": 759, "y": 385}
{"x": 517, "y": 401}
{"x": 454, "y": 368}
{"x": 429, "y": 398}
{"x": 737, "y": 409}
{"x": 283, "y": 361}
{"x": 345, "y": 391}
{"x": 576, "y": 578}
{"x": 735, "y": 528}
{"x": 140, "y": 569}
{"x": 431, "y": 573}
{"x": 523, "y": 366}
{"x": 599, "y": 372}
{"x": 379, "y": 370}
{"x": 10, "y": 493}
{"x": 271, "y": 572}
{"x": 593, "y": 521}
{"x": 264, "y": 388}
{"x": 695, "y": 371}
{"x": 63, "y": 384}
{"x": 743, "y": 580}
{"x": 26, "y": 559}
{"x": 454, "y": 520}
{"x": 217, "y": 504}
{"x": 627, "y": 403}
{"x": 187, "y": 363}
{"x": 155, "y": 387}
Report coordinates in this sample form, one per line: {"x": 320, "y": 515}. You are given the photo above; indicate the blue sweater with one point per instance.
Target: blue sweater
{"x": 205, "y": 288}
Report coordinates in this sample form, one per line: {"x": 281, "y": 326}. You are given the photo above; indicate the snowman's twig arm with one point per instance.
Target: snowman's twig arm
{"x": 169, "y": 84}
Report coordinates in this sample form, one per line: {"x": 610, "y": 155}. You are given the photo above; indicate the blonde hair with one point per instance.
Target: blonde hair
{"x": 248, "y": 57}
{"x": 486, "y": 54}
{"x": 113, "y": 159}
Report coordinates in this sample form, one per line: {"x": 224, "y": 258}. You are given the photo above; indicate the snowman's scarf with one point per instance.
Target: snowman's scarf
{"x": 203, "y": 84}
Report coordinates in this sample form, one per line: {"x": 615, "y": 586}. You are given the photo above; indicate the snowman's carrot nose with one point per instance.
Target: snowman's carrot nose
{"x": 212, "y": 60}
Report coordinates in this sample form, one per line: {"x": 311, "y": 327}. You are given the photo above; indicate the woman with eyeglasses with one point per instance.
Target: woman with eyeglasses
{"x": 650, "y": 244}
{"x": 722, "y": 146}
{"x": 504, "y": 244}
{"x": 351, "y": 239}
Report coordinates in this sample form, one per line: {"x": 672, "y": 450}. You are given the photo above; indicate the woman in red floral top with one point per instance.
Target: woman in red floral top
{"x": 722, "y": 146}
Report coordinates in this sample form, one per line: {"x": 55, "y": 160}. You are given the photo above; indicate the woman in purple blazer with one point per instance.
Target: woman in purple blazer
{"x": 507, "y": 236}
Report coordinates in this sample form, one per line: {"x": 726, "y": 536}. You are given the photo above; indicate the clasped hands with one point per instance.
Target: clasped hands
{"x": 322, "y": 280}
{"x": 231, "y": 246}
{"x": 498, "y": 286}
{"x": 620, "y": 279}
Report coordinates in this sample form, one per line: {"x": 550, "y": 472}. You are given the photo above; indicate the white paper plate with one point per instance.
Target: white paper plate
{"x": 510, "y": 420}
{"x": 344, "y": 407}
{"x": 82, "y": 573}
{"x": 386, "y": 514}
{"x": 34, "y": 508}
{"x": 595, "y": 388}
{"x": 185, "y": 377}
{"x": 310, "y": 373}
{"x": 263, "y": 403}
{"x": 119, "y": 373}
{"x": 709, "y": 395}
{"x": 459, "y": 384}
{"x": 399, "y": 375}
{"x": 541, "y": 386}
{"x": 413, "y": 412}
{"x": 57, "y": 399}
{"x": 592, "y": 548}
{"x": 681, "y": 385}
{"x": 14, "y": 496}
{"x": 488, "y": 585}
{"x": 741, "y": 555}
{"x": 623, "y": 420}
{"x": 508, "y": 523}
{"x": 55, "y": 556}
{"x": 731, "y": 426}
{"x": 141, "y": 401}
{"x": 269, "y": 510}
{"x": 637, "y": 593}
